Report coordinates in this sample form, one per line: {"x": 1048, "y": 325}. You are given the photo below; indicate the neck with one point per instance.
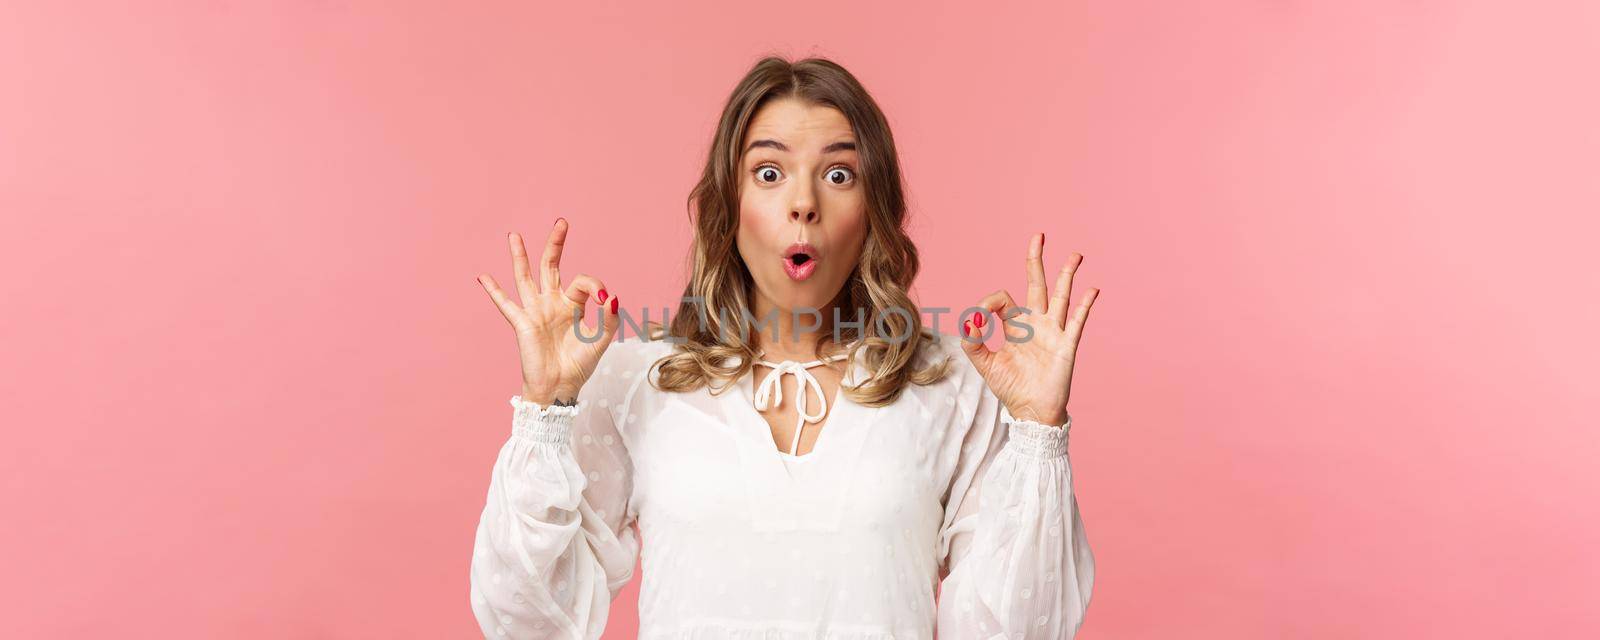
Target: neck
{"x": 796, "y": 338}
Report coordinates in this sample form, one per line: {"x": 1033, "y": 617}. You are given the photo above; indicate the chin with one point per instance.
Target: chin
{"x": 813, "y": 293}
{"x": 795, "y": 298}
{"x": 796, "y": 303}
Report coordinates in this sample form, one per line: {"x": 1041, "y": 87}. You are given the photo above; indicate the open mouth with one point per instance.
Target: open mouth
{"x": 800, "y": 260}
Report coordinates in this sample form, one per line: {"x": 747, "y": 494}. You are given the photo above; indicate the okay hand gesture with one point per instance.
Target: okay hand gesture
{"x": 555, "y": 359}
{"x": 1033, "y": 375}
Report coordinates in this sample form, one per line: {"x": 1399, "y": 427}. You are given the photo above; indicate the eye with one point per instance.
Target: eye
{"x": 840, "y": 175}
{"x": 767, "y": 174}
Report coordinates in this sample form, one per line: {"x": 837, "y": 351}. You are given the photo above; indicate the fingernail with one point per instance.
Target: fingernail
{"x": 602, "y": 295}
{"x": 966, "y": 328}
{"x": 977, "y": 319}
{"x": 613, "y": 304}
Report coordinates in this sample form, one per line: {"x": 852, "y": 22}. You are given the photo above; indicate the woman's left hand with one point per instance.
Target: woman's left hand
{"x": 1031, "y": 374}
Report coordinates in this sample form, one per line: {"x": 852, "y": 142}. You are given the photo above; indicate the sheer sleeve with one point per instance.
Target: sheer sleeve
{"x": 1015, "y": 560}
{"x": 556, "y": 541}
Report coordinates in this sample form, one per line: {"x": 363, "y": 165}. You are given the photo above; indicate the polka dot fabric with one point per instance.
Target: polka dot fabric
{"x": 937, "y": 514}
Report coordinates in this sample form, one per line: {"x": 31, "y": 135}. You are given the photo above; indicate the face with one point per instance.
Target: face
{"x": 802, "y": 208}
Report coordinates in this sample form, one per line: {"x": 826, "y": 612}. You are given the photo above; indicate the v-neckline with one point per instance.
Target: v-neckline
{"x": 839, "y": 401}
{"x": 788, "y": 493}
{"x": 744, "y": 396}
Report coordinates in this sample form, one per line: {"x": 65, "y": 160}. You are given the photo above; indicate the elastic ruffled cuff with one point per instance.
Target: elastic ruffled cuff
{"x": 539, "y": 423}
{"x": 1034, "y": 439}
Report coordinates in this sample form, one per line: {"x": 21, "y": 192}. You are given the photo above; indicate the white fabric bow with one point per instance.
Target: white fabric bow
{"x": 770, "y": 392}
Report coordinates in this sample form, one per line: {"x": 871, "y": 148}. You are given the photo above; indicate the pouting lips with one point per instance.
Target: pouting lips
{"x": 799, "y": 264}
{"x": 800, "y": 253}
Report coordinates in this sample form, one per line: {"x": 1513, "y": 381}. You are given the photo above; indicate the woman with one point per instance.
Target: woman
{"x": 833, "y": 515}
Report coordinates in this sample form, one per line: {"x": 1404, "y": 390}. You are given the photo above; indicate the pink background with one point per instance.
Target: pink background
{"x": 1339, "y": 382}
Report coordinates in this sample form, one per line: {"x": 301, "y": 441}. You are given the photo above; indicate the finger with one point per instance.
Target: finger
{"x": 509, "y": 309}
{"x": 610, "y": 319}
{"x": 582, "y": 288}
{"x": 997, "y": 305}
{"x": 1036, "y": 285}
{"x": 585, "y": 287}
{"x": 526, "y": 288}
{"x": 550, "y": 266}
{"x": 1081, "y": 315}
{"x": 972, "y": 344}
{"x": 1063, "y": 292}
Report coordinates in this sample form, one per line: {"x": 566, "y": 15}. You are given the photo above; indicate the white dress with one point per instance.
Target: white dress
{"x": 852, "y": 541}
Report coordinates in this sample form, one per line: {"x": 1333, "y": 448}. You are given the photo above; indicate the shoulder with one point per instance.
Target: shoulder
{"x": 948, "y": 347}
{"x": 631, "y": 358}
{"x": 959, "y": 410}
{"x": 965, "y": 390}
{"x": 956, "y": 394}
{"x": 621, "y": 370}
{"x": 941, "y": 346}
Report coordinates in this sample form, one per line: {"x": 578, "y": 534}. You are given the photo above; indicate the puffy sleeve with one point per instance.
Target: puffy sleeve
{"x": 1015, "y": 562}
{"x": 556, "y": 541}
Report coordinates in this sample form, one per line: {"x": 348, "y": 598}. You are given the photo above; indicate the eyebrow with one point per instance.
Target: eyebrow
{"x": 774, "y": 144}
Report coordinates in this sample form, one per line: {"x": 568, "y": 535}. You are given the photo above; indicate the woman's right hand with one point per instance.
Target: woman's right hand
{"x": 555, "y": 359}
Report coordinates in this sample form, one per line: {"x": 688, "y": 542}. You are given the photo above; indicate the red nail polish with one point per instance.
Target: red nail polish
{"x": 977, "y": 319}
{"x": 602, "y": 295}
{"x": 613, "y": 305}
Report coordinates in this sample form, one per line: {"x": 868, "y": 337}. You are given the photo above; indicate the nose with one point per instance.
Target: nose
{"x": 803, "y": 208}
{"x": 802, "y": 202}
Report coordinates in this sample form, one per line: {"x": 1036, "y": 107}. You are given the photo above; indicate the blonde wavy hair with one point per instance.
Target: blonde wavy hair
{"x": 713, "y": 323}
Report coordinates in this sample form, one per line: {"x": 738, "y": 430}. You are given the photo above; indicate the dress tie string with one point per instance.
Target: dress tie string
{"x": 770, "y": 392}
